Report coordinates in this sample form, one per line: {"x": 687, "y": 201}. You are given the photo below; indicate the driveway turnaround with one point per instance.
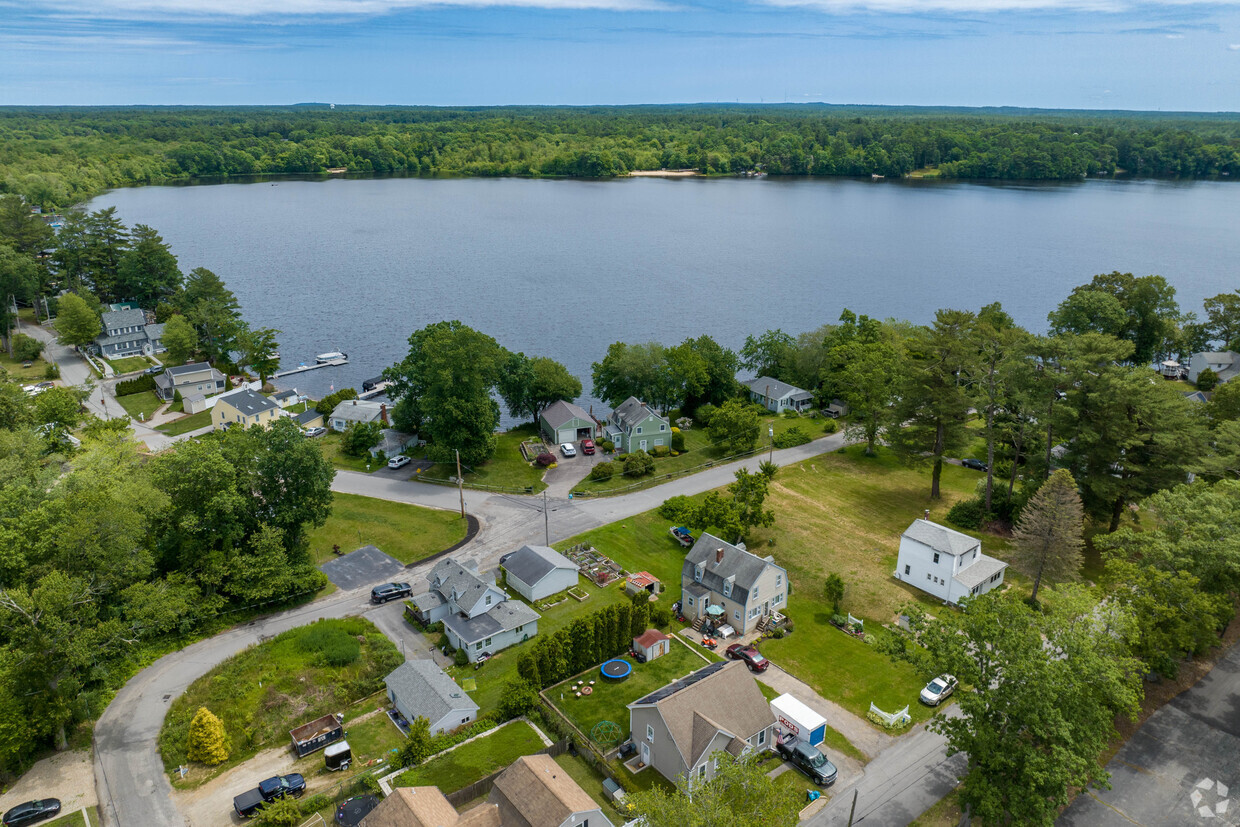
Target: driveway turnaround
{"x": 364, "y": 567}
{"x": 1181, "y": 767}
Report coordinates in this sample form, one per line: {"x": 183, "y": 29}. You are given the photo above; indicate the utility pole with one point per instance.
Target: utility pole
{"x": 460, "y": 482}
{"x": 770, "y": 431}
{"x": 546, "y": 522}
{"x": 853, "y": 809}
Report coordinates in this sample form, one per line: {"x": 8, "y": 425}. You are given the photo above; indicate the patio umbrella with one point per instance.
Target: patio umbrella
{"x": 714, "y": 611}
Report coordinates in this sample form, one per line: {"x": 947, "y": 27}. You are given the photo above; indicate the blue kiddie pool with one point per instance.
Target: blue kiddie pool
{"x": 616, "y": 669}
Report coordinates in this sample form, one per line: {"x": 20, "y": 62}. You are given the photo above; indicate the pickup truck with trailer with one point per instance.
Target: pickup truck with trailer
{"x": 250, "y": 802}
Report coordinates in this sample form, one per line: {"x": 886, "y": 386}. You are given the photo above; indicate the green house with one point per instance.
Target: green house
{"x": 634, "y": 426}
{"x": 562, "y": 422}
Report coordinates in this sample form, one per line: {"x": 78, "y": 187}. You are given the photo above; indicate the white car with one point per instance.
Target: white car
{"x": 399, "y": 461}
{"x": 938, "y": 690}
{"x": 568, "y": 450}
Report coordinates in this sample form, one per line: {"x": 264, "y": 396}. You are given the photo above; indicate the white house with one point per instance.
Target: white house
{"x": 420, "y": 689}
{"x": 778, "y": 396}
{"x": 536, "y": 572}
{"x": 477, "y": 615}
{"x": 946, "y": 563}
{"x": 1225, "y": 363}
{"x": 357, "y": 410}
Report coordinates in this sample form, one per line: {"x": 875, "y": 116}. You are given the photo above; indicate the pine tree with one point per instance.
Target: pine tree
{"x": 207, "y": 743}
{"x": 1047, "y": 539}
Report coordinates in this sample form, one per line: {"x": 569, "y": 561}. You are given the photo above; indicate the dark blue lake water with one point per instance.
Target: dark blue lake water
{"x": 564, "y": 268}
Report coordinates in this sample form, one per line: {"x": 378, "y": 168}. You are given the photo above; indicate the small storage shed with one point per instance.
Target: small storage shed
{"x": 536, "y": 572}
{"x": 798, "y": 721}
{"x": 651, "y": 644}
{"x": 643, "y": 581}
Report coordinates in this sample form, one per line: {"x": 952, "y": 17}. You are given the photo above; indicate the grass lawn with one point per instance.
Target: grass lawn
{"x": 610, "y": 699}
{"x": 145, "y": 403}
{"x": 376, "y": 737}
{"x": 129, "y": 364}
{"x": 588, "y": 778}
{"x": 791, "y": 778}
{"x": 329, "y": 444}
{"x": 506, "y": 469}
{"x": 700, "y": 450}
{"x": 13, "y": 367}
{"x": 186, "y": 423}
{"x": 264, "y": 691}
{"x": 475, "y": 760}
{"x": 407, "y": 532}
{"x": 497, "y": 671}
{"x": 74, "y": 819}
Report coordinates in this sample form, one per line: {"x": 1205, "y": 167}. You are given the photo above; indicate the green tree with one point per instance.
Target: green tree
{"x": 283, "y": 812}
{"x": 417, "y": 747}
{"x": 106, "y": 240}
{"x": 703, "y": 373}
{"x": 76, "y": 322}
{"x": 999, "y": 342}
{"x": 1223, "y": 319}
{"x": 929, "y": 419}
{"x": 635, "y": 370}
{"x": 213, "y": 310}
{"x": 207, "y": 743}
{"x": 19, "y": 278}
{"x": 293, "y": 482}
{"x": 766, "y": 355}
{"x": 1089, "y": 311}
{"x": 359, "y": 437}
{"x": 180, "y": 338}
{"x": 749, "y": 491}
{"x": 21, "y": 229}
{"x": 328, "y": 403}
{"x": 739, "y": 794}
{"x": 147, "y": 272}
{"x": 1224, "y": 405}
{"x": 16, "y": 409}
{"x": 734, "y": 427}
{"x": 60, "y": 407}
{"x": 1048, "y": 540}
{"x": 260, "y": 351}
{"x": 1223, "y": 458}
{"x": 26, "y": 347}
{"x": 862, "y": 368}
{"x": 1207, "y": 380}
{"x": 527, "y": 385}
{"x": 833, "y": 590}
{"x": 1153, "y": 316}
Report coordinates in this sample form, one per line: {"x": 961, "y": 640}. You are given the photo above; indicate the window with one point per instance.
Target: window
{"x": 488, "y": 602}
{"x": 907, "y": 570}
{"x": 779, "y": 598}
{"x": 736, "y": 614}
{"x": 519, "y": 628}
{"x": 994, "y": 577}
{"x": 697, "y": 573}
{"x": 702, "y": 771}
{"x": 727, "y": 588}
{"x": 936, "y": 557}
{"x": 689, "y": 600}
{"x": 928, "y": 575}
{"x": 761, "y": 737}
{"x": 974, "y": 554}
{"x": 716, "y": 765}
{"x": 464, "y": 720}
{"x": 650, "y": 733}
{"x": 755, "y": 591}
{"x": 662, "y": 427}
{"x": 478, "y": 645}
{"x": 779, "y": 579}
{"x": 639, "y": 429}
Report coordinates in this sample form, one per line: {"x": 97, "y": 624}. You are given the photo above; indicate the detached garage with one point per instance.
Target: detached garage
{"x": 536, "y": 572}
{"x": 562, "y": 422}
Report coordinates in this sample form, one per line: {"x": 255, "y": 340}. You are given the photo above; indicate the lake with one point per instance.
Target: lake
{"x": 562, "y": 268}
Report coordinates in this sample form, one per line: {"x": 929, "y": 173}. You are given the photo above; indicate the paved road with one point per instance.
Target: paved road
{"x": 1181, "y": 767}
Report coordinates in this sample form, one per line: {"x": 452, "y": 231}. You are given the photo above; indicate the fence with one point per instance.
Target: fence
{"x": 483, "y": 786}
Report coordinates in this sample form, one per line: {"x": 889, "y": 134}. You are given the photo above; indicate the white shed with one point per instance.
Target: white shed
{"x": 538, "y": 571}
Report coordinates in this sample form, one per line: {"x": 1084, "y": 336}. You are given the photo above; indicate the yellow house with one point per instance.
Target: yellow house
{"x": 243, "y": 410}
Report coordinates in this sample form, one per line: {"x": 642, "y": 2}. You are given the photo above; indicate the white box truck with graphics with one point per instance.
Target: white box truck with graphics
{"x": 797, "y": 721}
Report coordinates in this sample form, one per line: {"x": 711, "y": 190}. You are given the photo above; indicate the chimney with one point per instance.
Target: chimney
{"x": 926, "y": 515}
{"x": 355, "y": 403}
{"x": 383, "y": 417}
{"x": 718, "y": 555}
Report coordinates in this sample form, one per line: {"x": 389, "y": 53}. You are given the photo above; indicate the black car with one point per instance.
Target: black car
{"x": 810, "y": 761}
{"x": 390, "y": 591}
{"x": 31, "y": 812}
{"x": 975, "y": 464}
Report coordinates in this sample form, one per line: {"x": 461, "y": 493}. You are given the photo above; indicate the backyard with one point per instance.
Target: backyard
{"x": 506, "y": 469}
{"x": 407, "y": 532}
{"x": 186, "y": 423}
{"x": 329, "y": 443}
{"x": 475, "y": 760}
{"x": 129, "y": 364}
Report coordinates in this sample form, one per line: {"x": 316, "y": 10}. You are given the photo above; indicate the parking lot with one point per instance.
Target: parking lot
{"x": 367, "y": 566}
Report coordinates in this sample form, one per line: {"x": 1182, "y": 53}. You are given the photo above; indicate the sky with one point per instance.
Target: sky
{"x": 1074, "y": 54}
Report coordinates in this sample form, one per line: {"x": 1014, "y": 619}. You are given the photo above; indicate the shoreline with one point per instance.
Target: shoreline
{"x": 665, "y": 173}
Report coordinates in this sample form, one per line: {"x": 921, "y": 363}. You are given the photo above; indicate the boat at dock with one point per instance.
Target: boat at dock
{"x": 334, "y": 356}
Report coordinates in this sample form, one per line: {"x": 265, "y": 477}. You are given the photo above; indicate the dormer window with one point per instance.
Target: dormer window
{"x": 697, "y": 573}
{"x": 727, "y": 587}
{"x": 488, "y": 603}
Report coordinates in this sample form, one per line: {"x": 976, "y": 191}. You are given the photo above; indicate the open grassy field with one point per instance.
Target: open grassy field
{"x": 475, "y": 760}
{"x": 145, "y": 403}
{"x": 505, "y": 469}
{"x": 699, "y": 450}
{"x": 264, "y": 691}
{"x": 129, "y": 364}
{"x": 329, "y": 444}
{"x": 13, "y": 367}
{"x": 610, "y": 699}
{"x": 407, "y": 532}
{"x": 186, "y": 423}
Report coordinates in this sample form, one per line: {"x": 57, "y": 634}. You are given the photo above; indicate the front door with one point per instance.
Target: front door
{"x": 645, "y": 753}
{"x": 642, "y": 445}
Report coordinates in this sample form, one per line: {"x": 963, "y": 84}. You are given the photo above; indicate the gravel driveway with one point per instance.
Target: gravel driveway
{"x": 69, "y": 776}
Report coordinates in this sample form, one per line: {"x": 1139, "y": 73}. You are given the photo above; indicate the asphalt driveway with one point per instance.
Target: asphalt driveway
{"x": 1181, "y": 767}
{"x": 366, "y": 566}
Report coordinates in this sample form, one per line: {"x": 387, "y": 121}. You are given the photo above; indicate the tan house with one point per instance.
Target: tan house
{"x": 729, "y": 585}
{"x": 680, "y": 729}
{"x": 427, "y": 807}
{"x": 535, "y": 791}
{"x": 243, "y": 409}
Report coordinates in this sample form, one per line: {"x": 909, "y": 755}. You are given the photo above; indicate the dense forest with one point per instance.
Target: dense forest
{"x": 58, "y": 156}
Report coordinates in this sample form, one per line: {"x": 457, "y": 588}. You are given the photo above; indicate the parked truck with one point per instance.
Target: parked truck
{"x": 250, "y": 802}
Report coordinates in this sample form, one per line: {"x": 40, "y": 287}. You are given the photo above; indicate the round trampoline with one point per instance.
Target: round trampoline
{"x": 617, "y": 669}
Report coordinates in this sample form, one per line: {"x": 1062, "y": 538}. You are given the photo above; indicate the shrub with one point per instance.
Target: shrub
{"x": 545, "y": 459}
{"x": 138, "y": 384}
{"x": 660, "y": 616}
{"x": 791, "y": 414}
{"x": 967, "y": 513}
{"x": 678, "y": 440}
{"x": 608, "y": 445}
{"x": 660, "y": 451}
{"x": 1207, "y": 380}
{"x": 638, "y": 463}
{"x": 703, "y": 415}
{"x": 603, "y": 471}
{"x": 519, "y": 698}
{"x": 460, "y": 657}
{"x": 331, "y": 644}
{"x": 839, "y": 620}
{"x": 679, "y": 509}
{"x": 418, "y": 747}
{"x": 830, "y": 426}
{"x": 207, "y": 743}
{"x": 52, "y": 371}
{"x": 793, "y": 436}
{"x": 26, "y": 347}
{"x": 283, "y": 812}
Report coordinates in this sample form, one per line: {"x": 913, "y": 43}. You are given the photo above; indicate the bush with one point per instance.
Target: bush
{"x": 460, "y": 657}
{"x": 660, "y": 451}
{"x": 660, "y": 616}
{"x": 679, "y": 509}
{"x": 331, "y": 645}
{"x": 638, "y": 464}
{"x": 791, "y": 414}
{"x": 703, "y": 415}
{"x": 328, "y": 403}
{"x": 52, "y": 372}
{"x": 967, "y": 514}
{"x": 136, "y": 385}
{"x": 830, "y": 426}
{"x": 518, "y": 699}
{"x": 544, "y": 459}
{"x": 1207, "y": 380}
{"x": 839, "y": 620}
{"x": 207, "y": 742}
{"x": 791, "y": 437}
{"x": 359, "y": 437}
{"x": 678, "y": 441}
{"x": 608, "y": 445}
{"x": 26, "y": 348}
{"x": 603, "y": 471}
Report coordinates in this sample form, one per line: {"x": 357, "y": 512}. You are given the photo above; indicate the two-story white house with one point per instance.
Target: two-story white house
{"x": 946, "y": 563}
{"x": 477, "y": 615}
{"x": 741, "y": 586}
{"x": 634, "y": 426}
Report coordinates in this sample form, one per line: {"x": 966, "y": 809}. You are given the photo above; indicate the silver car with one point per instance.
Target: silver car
{"x": 938, "y": 690}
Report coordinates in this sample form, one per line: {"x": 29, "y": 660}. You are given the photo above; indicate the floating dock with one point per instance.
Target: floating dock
{"x": 303, "y": 368}
{"x": 374, "y": 391}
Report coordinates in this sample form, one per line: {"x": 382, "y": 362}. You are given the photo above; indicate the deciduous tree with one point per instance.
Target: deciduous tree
{"x": 76, "y": 322}
{"x": 862, "y": 367}
{"x": 734, "y": 427}
{"x": 180, "y": 338}
{"x": 765, "y": 354}
{"x": 740, "y": 794}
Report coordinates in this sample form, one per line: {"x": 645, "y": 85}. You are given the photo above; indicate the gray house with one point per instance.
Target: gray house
{"x": 778, "y": 396}
{"x": 509, "y": 623}
{"x": 721, "y": 581}
{"x": 634, "y": 426}
{"x": 535, "y": 791}
{"x": 1226, "y": 363}
{"x": 536, "y": 572}
{"x": 126, "y": 333}
{"x": 357, "y": 410}
{"x": 680, "y": 728}
{"x": 477, "y": 615}
{"x": 194, "y": 378}
{"x": 420, "y": 689}
{"x": 562, "y": 422}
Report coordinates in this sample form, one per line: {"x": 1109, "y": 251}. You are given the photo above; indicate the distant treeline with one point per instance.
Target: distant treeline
{"x": 57, "y": 156}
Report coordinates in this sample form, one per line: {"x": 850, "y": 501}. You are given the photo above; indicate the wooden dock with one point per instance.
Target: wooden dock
{"x": 375, "y": 391}
{"x": 303, "y": 368}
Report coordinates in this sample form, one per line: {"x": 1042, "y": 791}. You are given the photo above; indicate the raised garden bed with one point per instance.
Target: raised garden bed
{"x": 578, "y": 594}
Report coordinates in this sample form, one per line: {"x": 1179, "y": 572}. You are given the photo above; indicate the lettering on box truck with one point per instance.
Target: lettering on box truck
{"x": 789, "y": 726}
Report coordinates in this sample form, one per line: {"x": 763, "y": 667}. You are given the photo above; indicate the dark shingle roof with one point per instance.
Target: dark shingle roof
{"x": 632, "y": 411}
{"x": 114, "y": 319}
{"x": 557, "y": 413}
{"x": 192, "y": 367}
{"x": 308, "y": 415}
{"x": 424, "y": 690}
{"x": 449, "y": 576}
{"x": 744, "y": 566}
{"x": 249, "y": 403}
{"x": 775, "y": 389}
{"x": 529, "y": 564}
{"x": 501, "y": 618}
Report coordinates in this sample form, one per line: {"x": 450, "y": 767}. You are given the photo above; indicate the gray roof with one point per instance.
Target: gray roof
{"x": 502, "y": 617}
{"x": 123, "y": 318}
{"x": 529, "y": 564}
{"x": 308, "y": 415}
{"x": 104, "y": 341}
{"x": 428, "y": 600}
{"x": 632, "y": 411}
{"x": 941, "y": 538}
{"x": 154, "y": 331}
{"x": 392, "y": 441}
{"x": 774, "y": 389}
{"x": 357, "y": 410}
{"x": 290, "y": 394}
{"x": 449, "y": 576}
{"x": 745, "y": 567}
{"x": 558, "y": 413}
{"x": 192, "y": 367}
{"x": 249, "y": 403}
{"x": 979, "y": 571}
{"x": 1197, "y": 396}
{"x": 425, "y": 691}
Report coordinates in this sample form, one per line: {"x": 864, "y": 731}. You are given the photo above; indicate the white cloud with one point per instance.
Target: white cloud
{"x": 130, "y": 9}
{"x": 1235, "y": 47}
{"x": 983, "y": 6}
{"x": 1175, "y": 37}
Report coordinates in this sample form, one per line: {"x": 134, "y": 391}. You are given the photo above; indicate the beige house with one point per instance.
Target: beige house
{"x": 729, "y": 585}
{"x": 680, "y": 728}
{"x": 427, "y": 807}
{"x": 243, "y": 409}
{"x": 535, "y": 791}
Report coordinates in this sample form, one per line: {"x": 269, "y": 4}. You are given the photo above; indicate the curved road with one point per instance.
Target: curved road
{"x": 133, "y": 787}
